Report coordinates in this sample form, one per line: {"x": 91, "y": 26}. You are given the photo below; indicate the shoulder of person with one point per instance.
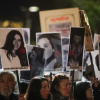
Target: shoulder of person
{"x": 13, "y": 97}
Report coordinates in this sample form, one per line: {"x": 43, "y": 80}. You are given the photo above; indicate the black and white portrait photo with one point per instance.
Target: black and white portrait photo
{"x": 26, "y": 32}
{"x": 76, "y": 48}
{"x": 36, "y": 62}
{"x": 51, "y": 42}
{"x": 12, "y": 48}
{"x": 65, "y": 50}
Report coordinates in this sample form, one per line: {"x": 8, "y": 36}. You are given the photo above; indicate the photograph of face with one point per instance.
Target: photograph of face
{"x": 76, "y": 48}
{"x": 36, "y": 62}
{"x": 65, "y": 50}
{"x": 13, "y": 50}
{"x": 51, "y": 42}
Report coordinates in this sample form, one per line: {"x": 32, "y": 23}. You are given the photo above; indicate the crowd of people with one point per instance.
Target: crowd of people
{"x": 40, "y": 88}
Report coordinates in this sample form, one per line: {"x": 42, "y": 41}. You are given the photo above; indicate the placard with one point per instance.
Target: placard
{"x": 76, "y": 48}
{"x": 59, "y": 20}
{"x": 13, "y": 51}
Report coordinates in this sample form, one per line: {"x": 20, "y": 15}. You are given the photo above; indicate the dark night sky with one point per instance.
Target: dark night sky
{"x": 11, "y": 8}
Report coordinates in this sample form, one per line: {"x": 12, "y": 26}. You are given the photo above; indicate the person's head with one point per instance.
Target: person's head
{"x": 83, "y": 91}
{"x": 7, "y": 83}
{"x": 89, "y": 72}
{"x": 44, "y": 41}
{"x": 76, "y": 43}
{"x": 14, "y": 40}
{"x": 38, "y": 89}
{"x": 61, "y": 85}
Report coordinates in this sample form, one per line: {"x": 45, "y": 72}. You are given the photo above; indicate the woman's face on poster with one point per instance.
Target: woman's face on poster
{"x": 45, "y": 43}
{"x": 17, "y": 42}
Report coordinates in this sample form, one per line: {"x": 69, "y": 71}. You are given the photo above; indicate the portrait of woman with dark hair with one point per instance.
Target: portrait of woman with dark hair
{"x": 52, "y": 52}
{"x": 13, "y": 51}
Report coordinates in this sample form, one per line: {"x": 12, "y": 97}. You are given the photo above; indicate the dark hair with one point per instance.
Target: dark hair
{"x": 33, "y": 90}
{"x": 56, "y": 81}
{"x": 46, "y": 36}
{"x": 80, "y": 90}
{"x": 9, "y": 42}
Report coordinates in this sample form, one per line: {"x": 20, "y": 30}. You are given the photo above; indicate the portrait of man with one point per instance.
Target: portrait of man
{"x": 76, "y": 48}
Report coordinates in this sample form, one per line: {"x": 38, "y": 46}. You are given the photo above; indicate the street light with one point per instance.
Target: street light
{"x": 33, "y": 9}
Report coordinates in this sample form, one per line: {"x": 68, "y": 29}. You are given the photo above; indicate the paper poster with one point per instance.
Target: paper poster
{"x": 77, "y": 75}
{"x": 53, "y": 53}
{"x": 86, "y": 59}
{"x": 95, "y": 56}
{"x": 13, "y": 51}
{"x": 76, "y": 48}
{"x": 88, "y": 36}
{"x": 65, "y": 50}
{"x": 26, "y": 32}
{"x": 59, "y": 20}
{"x": 36, "y": 62}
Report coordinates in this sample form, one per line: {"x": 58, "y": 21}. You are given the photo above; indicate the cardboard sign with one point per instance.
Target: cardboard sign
{"x": 51, "y": 42}
{"x": 59, "y": 20}
{"x": 13, "y": 51}
{"x": 76, "y": 48}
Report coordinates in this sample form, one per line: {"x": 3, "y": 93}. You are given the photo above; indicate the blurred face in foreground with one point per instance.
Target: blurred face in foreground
{"x": 64, "y": 87}
{"x": 7, "y": 85}
{"x": 44, "y": 91}
{"x": 89, "y": 94}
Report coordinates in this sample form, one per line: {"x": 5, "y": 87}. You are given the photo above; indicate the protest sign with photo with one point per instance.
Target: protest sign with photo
{"x": 36, "y": 62}
{"x": 13, "y": 51}
{"x": 76, "y": 48}
{"x": 65, "y": 50}
{"x": 53, "y": 53}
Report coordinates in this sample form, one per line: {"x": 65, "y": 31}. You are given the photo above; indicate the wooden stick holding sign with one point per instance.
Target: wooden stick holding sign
{"x": 72, "y": 85}
{"x": 91, "y": 59}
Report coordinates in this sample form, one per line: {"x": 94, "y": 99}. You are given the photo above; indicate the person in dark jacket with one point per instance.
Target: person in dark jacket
{"x": 38, "y": 89}
{"x": 7, "y": 85}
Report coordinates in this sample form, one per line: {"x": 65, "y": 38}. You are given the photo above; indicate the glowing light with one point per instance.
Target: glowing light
{"x": 33, "y": 9}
